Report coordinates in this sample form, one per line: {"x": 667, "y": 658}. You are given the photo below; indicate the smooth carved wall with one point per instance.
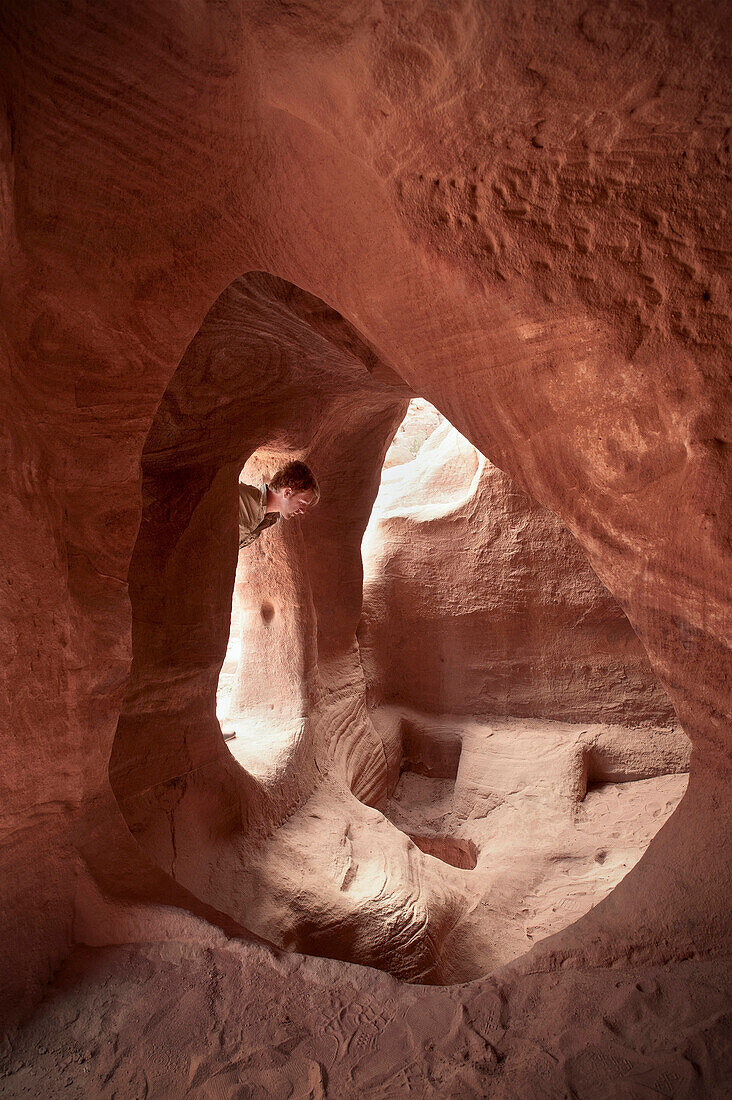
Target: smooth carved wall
{"x": 521, "y": 213}
{"x": 478, "y": 601}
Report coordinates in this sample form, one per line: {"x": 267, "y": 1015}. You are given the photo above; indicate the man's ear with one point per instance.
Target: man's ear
{"x": 287, "y": 491}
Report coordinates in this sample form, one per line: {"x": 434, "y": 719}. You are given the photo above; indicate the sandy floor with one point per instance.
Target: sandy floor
{"x": 204, "y": 1018}
{"x": 544, "y": 856}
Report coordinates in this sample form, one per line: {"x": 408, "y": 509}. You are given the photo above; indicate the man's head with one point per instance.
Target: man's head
{"x": 294, "y": 490}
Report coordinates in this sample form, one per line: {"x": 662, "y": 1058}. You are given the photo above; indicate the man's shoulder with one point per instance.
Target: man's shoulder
{"x": 250, "y": 493}
{"x": 252, "y": 505}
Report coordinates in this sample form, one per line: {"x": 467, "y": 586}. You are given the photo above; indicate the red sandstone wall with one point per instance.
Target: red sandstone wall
{"x": 262, "y": 369}
{"x": 521, "y": 212}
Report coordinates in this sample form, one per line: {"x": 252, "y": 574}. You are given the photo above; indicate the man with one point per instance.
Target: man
{"x": 292, "y": 490}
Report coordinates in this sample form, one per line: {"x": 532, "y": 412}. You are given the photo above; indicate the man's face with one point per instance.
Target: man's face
{"x": 295, "y": 502}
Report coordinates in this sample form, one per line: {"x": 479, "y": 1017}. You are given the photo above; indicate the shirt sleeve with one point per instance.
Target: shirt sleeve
{"x": 251, "y": 509}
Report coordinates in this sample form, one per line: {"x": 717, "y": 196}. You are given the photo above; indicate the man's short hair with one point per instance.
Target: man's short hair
{"x": 296, "y": 476}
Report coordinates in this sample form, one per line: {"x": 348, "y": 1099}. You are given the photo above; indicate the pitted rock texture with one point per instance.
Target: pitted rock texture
{"x": 518, "y": 214}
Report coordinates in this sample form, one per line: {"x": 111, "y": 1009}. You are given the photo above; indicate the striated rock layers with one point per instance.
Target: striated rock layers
{"x": 516, "y": 213}
{"x": 477, "y": 601}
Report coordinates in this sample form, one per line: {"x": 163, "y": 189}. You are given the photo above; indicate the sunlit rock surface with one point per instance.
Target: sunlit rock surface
{"x": 517, "y": 214}
{"x": 478, "y": 601}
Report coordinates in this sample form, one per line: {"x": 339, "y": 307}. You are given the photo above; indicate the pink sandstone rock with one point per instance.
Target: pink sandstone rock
{"x": 477, "y": 601}
{"x": 517, "y": 214}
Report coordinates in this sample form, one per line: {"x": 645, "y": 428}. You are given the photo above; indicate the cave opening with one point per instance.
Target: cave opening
{"x": 416, "y": 709}
{"x": 260, "y": 704}
{"x": 537, "y": 747}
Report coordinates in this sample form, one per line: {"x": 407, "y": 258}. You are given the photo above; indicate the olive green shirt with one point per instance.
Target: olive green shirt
{"x": 253, "y": 515}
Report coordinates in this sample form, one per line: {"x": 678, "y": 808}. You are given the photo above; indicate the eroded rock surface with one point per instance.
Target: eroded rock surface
{"x": 517, "y": 214}
{"x": 478, "y": 601}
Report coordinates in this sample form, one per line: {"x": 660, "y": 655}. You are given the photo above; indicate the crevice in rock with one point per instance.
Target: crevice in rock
{"x": 458, "y": 853}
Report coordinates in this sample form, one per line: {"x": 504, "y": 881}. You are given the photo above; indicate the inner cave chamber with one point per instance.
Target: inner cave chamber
{"x": 442, "y": 754}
